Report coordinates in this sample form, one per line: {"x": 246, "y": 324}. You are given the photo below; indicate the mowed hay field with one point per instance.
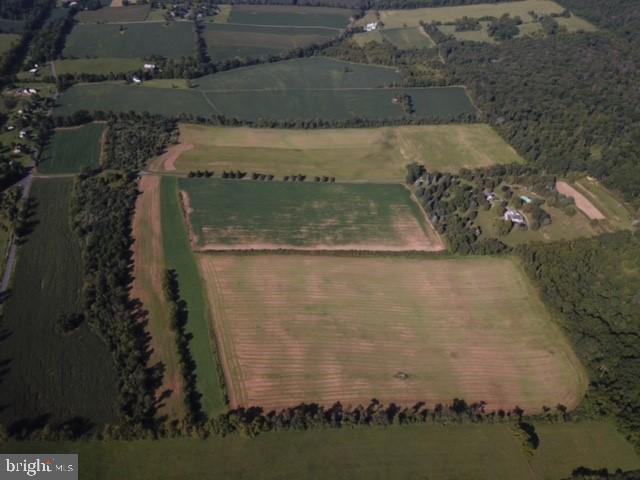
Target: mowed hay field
{"x": 72, "y": 149}
{"x": 7, "y": 40}
{"x": 234, "y": 214}
{"x": 176, "y": 39}
{"x": 402, "y": 38}
{"x": 412, "y": 18}
{"x": 372, "y": 154}
{"x": 98, "y": 66}
{"x": 341, "y": 329}
{"x": 131, "y": 13}
{"x": 291, "y": 15}
{"x": 46, "y": 375}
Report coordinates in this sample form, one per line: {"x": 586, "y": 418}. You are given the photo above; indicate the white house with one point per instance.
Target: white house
{"x": 370, "y": 27}
{"x": 149, "y": 66}
{"x": 514, "y": 216}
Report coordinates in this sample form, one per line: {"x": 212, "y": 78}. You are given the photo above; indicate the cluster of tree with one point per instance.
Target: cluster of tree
{"x": 102, "y": 206}
{"x": 178, "y": 315}
{"x": 68, "y": 322}
{"x": 10, "y": 172}
{"x": 466, "y": 24}
{"x": 200, "y": 173}
{"x": 324, "y": 179}
{"x": 406, "y": 102}
{"x": 17, "y": 9}
{"x": 48, "y": 42}
{"x": 584, "y": 473}
{"x": 535, "y": 91}
{"x": 132, "y": 139}
{"x": 593, "y": 284}
{"x": 505, "y": 27}
{"x": 550, "y": 25}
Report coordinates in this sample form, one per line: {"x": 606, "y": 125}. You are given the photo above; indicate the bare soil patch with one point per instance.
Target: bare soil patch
{"x": 582, "y": 202}
{"x": 167, "y": 161}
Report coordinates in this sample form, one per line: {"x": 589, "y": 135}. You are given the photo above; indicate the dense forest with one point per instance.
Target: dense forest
{"x": 595, "y": 285}
{"x": 367, "y": 4}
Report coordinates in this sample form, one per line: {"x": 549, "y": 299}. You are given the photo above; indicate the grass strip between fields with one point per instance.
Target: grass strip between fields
{"x": 179, "y": 257}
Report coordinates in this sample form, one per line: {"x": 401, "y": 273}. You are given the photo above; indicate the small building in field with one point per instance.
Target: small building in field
{"x": 149, "y": 66}
{"x": 136, "y": 79}
{"x": 525, "y": 199}
{"x": 514, "y": 216}
{"x": 370, "y": 27}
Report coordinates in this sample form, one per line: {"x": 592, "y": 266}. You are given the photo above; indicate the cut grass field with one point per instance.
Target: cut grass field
{"x": 131, "y": 13}
{"x": 253, "y": 215}
{"x": 412, "y": 18}
{"x": 404, "y": 453}
{"x": 371, "y": 154}
{"x": 226, "y": 41}
{"x": 291, "y": 15}
{"x": 98, "y": 66}
{"x": 72, "y": 149}
{"x": 45, "y": 374}
{"x": 402, "y": 38}
{"x": 179, "y": 257}
{"x": 613, "y": 209}
{"x": 340, "y": 329}
{"x": 7, "y": 40}
{"x": 176, "y": 39}
{"x": 149, "y": 271}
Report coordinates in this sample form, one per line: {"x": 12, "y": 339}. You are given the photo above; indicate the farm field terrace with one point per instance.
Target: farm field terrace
{"x": 243, "y": 214}
{"x": 131, "y": 40}
{"x": 45, "y": 374}
{"x": 348, "y": 328}
{"x": 371, "y": 154}
{"x": 72, "y": 149}
{"x": 409, "y": 452}
{"x": 412, "y": 18}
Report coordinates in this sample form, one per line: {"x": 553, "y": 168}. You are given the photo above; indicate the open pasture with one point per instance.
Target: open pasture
{"x": 7, "y": 40}
{"x": 395, "y": 329}
{"x": 46, "y": 374}
{"x": 412, "y": 18}
{"x": 226, "y": 41}
{"x": 371, "y": 154}
{"x": 131, "y": 40}
{"x": 72, "y": 149}
{"x": 130, "y": 13}
{"x": 402, "y": 38}
{"x": 10, "y": 26}
{"x": 290, "y": 15}
{"x": 234, "y": 214}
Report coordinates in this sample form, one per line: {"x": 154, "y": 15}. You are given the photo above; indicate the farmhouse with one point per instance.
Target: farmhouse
{"x": 370, "y": 27}
{"x": 149, "y": 66}
{"x": 514, "y": 216}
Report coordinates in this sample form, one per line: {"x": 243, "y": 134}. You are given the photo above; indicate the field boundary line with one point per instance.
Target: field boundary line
{"x": 211, "y": 104}
{"x": 426, "y": 219}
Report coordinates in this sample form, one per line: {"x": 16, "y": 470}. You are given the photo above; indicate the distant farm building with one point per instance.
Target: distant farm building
{"x": 136, "y": 79}
{"x": 525, "y": 199}
{"x": 370, "y": 27}
{"x": 514, "y": 216}
{"x": 149, "y": 66}
{"x": 490, "y": 196}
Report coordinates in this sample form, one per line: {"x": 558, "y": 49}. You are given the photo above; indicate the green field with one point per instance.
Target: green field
{"x": 226, "y": 41}
{"x": 340, "y": 329}
{"x": 72, "y": 149}
{"x": 98, "y": 66}
{"x": 336, "y": 18}
{"x": 372, "y": 154}
{"x": 402, "y": 38}
{"x": 135, "y": 40}
{"x": 228, "y": 214}
{"x": 407, "y": 453}
{"x": 412, "y": 18}
{"x": 10, "y": 26}
{"x": 131, "y": 13}
{"x": 178, "y": 256}
{"x": 45, "y": 373}
{"x": 7, "y": 40}
{"x": 613, "y": 209}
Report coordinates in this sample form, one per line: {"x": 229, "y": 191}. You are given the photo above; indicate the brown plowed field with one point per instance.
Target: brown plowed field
{"x": 582, "y": 202}
{"x": 297, "y": 329}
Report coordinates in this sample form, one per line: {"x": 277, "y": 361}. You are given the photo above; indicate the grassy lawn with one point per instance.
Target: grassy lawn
{"x": 178, "y": 256}
{"x": 341, "y": 328}
{"x": 133, "y": 40}
{"x": 7, "y": 40}
{"x": 49, "y": 374}
{"x": 371, "y": 154}
{"x": 72, "y": 149}
{"x": 234, "y": 214}
{"x": 98, "y": 66}
{"x": 149, "y": 271}
{"x": 290, "y": 15}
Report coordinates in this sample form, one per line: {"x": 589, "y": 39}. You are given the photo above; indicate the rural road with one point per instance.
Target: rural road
{"x": 13, "y": 248}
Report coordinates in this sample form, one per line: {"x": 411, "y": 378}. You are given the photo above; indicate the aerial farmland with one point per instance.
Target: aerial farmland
{"x": 334, "y": 239}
